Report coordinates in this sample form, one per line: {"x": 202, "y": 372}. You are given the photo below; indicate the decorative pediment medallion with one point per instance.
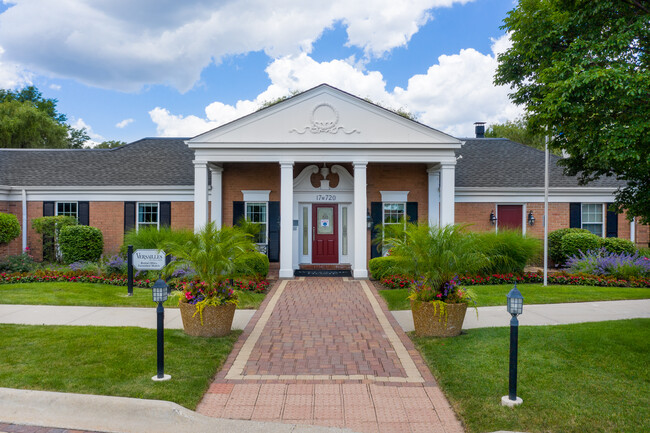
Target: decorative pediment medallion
{"x": 324, "y": 119}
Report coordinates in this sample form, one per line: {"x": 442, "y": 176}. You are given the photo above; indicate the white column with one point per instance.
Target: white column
{"x": 286, "y": 219}
{"x": 447, "y": 193}
{"x": 360, "y": 262}
{"x": 216, "y": 214}
{"x": 200, "y": 194}
{"x": 434, "y": 194}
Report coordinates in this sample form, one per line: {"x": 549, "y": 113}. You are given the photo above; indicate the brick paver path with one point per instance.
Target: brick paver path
{"x": 326, "y": 351}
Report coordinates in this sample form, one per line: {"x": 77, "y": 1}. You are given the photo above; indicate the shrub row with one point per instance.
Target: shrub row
{"x": 402, "y": 282}
{"x": 88, "y": 277}
{"x": 565, "y": 243}
{"x": 9, "y": 228}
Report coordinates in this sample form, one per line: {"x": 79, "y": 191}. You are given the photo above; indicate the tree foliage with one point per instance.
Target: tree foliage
{"x": 28, "y": 120}
{"x": 581, "y": 69}
{"x": 110, "y": 144}
{"x": 516, "y": 130}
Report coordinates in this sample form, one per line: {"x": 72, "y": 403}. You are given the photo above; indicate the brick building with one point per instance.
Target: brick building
{"x": 318, "y": 171}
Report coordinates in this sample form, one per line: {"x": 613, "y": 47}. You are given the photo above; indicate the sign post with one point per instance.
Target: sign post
{"x": 129, "y": 261}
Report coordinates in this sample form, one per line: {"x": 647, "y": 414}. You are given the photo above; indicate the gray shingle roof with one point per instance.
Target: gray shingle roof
{"x": 150, "y": 161}
{"x": 488, "y": 162}
{"x": 499, "y": 162}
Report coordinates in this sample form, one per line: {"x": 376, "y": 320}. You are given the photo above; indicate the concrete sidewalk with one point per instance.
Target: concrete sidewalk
{"x": 546, "y": 314}
{"x": 101, "y": 316}
{"x": 534, "y": 315}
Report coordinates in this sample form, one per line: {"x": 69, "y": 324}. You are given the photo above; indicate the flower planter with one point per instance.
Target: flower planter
{"x": 217, "y": 320}
{"x": 429, "y": 323}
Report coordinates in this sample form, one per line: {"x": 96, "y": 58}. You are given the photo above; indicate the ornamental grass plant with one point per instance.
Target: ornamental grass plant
{"x": 212, "y": 254}
{"x": 435, "y": 256}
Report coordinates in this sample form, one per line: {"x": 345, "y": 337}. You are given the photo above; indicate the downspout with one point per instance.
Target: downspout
{"x": 632, "y": 229}
{"x": 24, "y": 219}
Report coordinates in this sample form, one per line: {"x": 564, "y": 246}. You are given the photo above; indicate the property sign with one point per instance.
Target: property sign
{"x": 149, "y": 260}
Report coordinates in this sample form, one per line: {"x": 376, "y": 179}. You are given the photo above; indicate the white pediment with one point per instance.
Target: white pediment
{"x": 323, "y": 116}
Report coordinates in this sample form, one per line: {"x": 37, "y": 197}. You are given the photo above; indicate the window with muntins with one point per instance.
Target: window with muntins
{"x": 258, "y": 213}
{"x": 592, "y": 218}
{"x": 148, "y": 215}
{"x": 393, "y": 214}
{"x": 67, "y": 208}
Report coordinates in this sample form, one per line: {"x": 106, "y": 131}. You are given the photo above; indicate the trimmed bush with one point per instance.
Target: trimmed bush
{"x": 9, "y": 228}
{"x": 81, "y": 243}
{"x": 555, "y": 244}
{"x": 382, "y": 267}
{"x": 50, "y": 227}
{"x": 617, "y": 245}
{"x": 252, "y": 265}
{"x": 508, "y": 250}
{"x": 574, "y": 243}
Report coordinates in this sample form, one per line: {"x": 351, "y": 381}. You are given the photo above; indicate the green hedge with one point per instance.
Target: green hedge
{"x": 382, "y": 267}
{"x": 252, "y": 264}
{"x": 9, "y": 228}
{"x": 555, "y": 244}
{"x": 81, "y": 243}
{"x": 573, "y": 243}
{"x": 616, "y": 245}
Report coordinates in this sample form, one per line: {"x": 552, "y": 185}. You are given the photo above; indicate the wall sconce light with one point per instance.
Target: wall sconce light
{"x": 531, "y": 218}
{"x": 368, "y": 220}
{"x": 493, "y": 218}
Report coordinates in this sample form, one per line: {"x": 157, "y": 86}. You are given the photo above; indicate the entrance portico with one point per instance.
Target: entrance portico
{"x": 324, "y": 142}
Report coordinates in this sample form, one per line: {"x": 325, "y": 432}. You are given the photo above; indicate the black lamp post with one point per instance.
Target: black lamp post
{"x": 159, "y": 294}
{"x": 515, "y": 307}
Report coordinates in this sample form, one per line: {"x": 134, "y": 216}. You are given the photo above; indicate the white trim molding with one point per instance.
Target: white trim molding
{"x": 256, "y": 195}
{"x": 394, "y": 196}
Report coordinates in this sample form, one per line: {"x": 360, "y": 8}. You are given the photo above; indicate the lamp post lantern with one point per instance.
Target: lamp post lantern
{"x": 159, "y": 294}
{"x": 515, "y": 308}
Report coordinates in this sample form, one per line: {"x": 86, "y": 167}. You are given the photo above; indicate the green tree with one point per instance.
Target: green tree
{"x": 518, "y": 131}
{"x": 110, "y": 144}
{"x": 24, "y": 122}
{"x": 581, "y": 69}
{"x": 23, "y": 126}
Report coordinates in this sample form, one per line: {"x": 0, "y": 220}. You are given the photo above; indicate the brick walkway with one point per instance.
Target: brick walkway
{"x": 326, "y": 351}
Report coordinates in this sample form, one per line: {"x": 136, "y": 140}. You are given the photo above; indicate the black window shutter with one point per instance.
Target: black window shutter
{"x": 274, "y": 231}
{"x": 612, "y": 223}
{"x": 575, "y": 215}
{"x": 83, "y": 213}
{"x": 375, "y": 214}
{"x": 165, "y": 214}
{"x": 129, "y": 215}
{"x": 412, "y": 211}
{"x": 48, "y": 208}
{"x": 237, "y": 211}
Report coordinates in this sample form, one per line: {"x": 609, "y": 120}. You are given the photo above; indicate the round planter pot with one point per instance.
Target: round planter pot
{"x": 429, "y": 323}
{"x": 217, "y": 320}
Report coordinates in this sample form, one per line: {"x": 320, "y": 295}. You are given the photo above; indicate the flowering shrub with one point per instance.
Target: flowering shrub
{"x": 45, "y": 276}
{"x": 602, "y": 262}
{"x": 397, "y": 282}
{"x": 394, "y": 282}
{"x": 21, "y": 263}
{"x": 253, "y": 285}
{"x": 114, "y": 265}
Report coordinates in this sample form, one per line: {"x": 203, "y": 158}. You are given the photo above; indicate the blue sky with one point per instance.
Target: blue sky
{"x": 128, "y": 70}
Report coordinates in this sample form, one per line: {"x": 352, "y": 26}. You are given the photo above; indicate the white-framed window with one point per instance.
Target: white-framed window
{"x": 67, "y": 208}
{"x": 257, "y": 212}
{"x": 593, "y": 218}
{"x": 392, "y": 214}
{"x": 148, "y": 215}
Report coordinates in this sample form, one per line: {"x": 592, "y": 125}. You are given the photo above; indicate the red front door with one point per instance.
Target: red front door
{"x": 325, "y": 236}
{"x": 509, "y": 216}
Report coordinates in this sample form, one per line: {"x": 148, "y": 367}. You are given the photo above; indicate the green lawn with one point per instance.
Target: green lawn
{"x": 588, "y": 377}
{"x": 95, "y": 295}
{"x": 110, "y": 361}
{"x": 533, "y": 294}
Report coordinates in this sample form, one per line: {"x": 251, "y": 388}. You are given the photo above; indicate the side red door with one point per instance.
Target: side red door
{"x": 325, "y": 237}
{"x": 509, "y": 216}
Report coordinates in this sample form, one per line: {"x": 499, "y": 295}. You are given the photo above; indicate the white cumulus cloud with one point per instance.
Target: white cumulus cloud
{"x": 95, "y": 138}
{"x": 125, "y": 45}
{"x": 124, "y": 123}
{"x": 454, "y": 93}
{"x": 12, "y": 76}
